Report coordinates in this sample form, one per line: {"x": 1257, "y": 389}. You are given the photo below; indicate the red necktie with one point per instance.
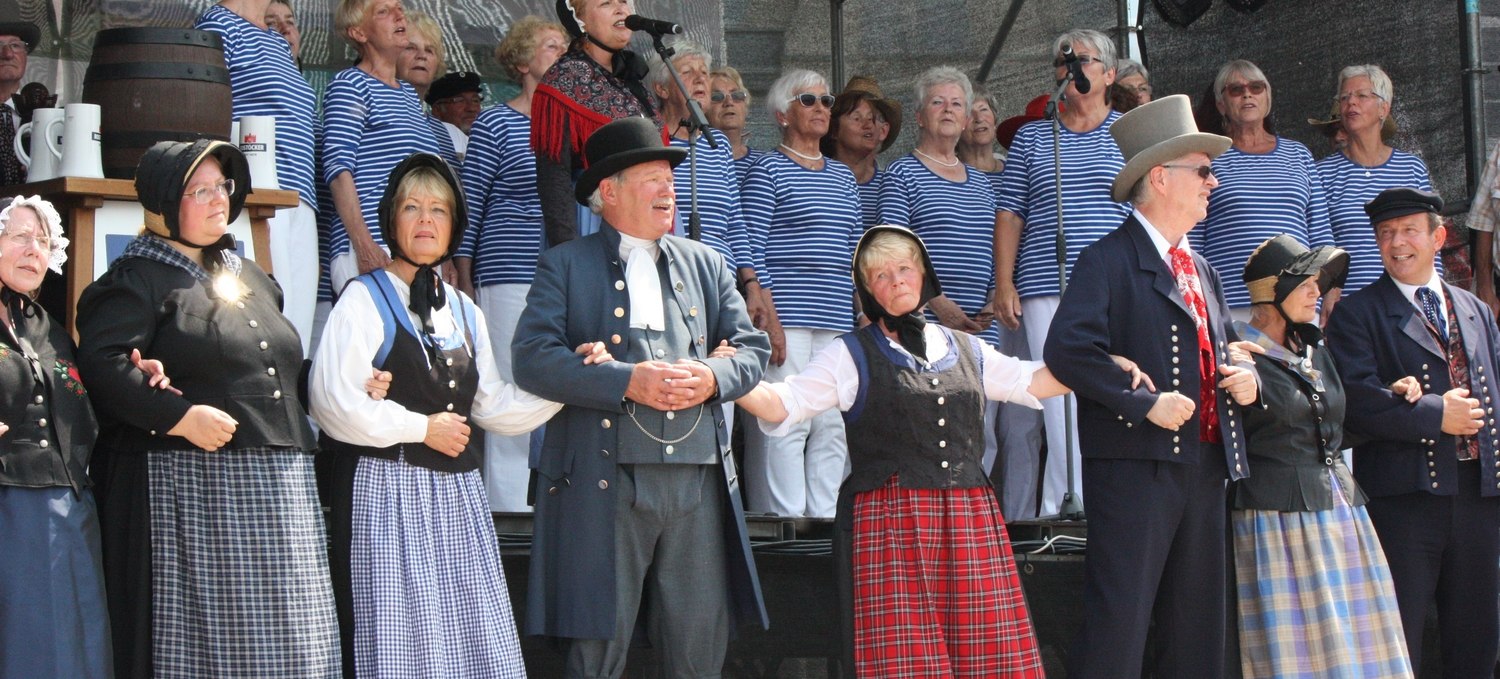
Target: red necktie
{"x": 1186, "y": 274}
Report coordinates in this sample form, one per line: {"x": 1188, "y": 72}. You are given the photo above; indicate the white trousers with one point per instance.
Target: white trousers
{"x": 797, "y": 474}
{"x": 294, "y": 262}
{"x": 1014, "y": 469}
{"x": 1038, "y": 313}
{"x": 506, "y": 458}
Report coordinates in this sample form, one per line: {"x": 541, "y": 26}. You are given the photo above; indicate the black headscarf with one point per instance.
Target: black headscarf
{"x": 162, "y": 176}
{"x": 426, "y": 287}
{"x": 909, "y": 327}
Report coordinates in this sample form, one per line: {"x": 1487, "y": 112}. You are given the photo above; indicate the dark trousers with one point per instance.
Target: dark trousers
{"x": 1156, "y": 552}
{"x": 1444, "y": 549}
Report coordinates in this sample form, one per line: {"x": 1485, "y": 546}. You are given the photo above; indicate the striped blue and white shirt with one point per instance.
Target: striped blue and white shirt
{"x": 742, "y": 165}
{"x": 1348, "y": 187}
{"x": 1260, "y": 195}
{"x": 869, "y": 199}
{"x": 369, "y": 127}
{"x": 957, "y": 222}
{"x": 505, "y": 213}
{"x": 264, "y": 81}
{"x": 1090, "y": 162}
{"x": 721, "y": 223}
{"x": 804, "y": 225}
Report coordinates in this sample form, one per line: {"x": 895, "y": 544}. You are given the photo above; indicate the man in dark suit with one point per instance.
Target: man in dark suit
{"x": 1154, "y": 465}
{"x": 17, "y": 39}
{"x": 1429, "y": 467}
{"x": 635, "y": 490}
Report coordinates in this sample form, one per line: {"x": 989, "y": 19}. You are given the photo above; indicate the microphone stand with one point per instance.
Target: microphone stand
{"x": 697, "y": 125}
{"x": 1072, "y": 507}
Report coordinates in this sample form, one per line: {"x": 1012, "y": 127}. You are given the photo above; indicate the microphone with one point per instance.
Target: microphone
{"x": 1070, "y": 60}
{"x": 636, "y": 22}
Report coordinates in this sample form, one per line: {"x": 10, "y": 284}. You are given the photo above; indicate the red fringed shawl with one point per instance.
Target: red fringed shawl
{"x": 576, "y": 97}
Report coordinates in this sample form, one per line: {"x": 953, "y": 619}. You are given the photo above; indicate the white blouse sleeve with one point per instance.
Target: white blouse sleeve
{"x": 1007, "y": 378}
{"x": 499, "y": 406}
{"x": 830, "y": 380}
{"x": 342, "y": 364}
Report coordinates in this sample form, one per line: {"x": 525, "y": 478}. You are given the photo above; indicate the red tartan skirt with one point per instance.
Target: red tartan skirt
{"x": 935, "y": 587}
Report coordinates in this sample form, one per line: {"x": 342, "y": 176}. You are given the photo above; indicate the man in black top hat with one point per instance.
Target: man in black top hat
{"x": 456, "y": 99}
{"x": 17, "y": 39}
{"x": 1429, "y": 467}
{"x": 638, "y": 514}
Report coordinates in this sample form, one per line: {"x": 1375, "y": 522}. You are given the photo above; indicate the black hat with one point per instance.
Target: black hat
{"x": 163, "y": 174}
{"x": 1281, "y": 264}
{"x": 453, "y": 84}
{"x": 11, "y": 23}
{"x": 565, "y": 16}
{"x": 1400, "y": 202}
{"x": 621, "y": 144}
{"x": 909, "y": 326}
{"x": 393, "y": 184}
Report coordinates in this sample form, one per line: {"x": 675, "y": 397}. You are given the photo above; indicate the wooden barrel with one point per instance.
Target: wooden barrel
{"x": 156, "y": 84}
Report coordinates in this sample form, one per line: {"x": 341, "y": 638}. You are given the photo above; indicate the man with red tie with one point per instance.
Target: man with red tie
{"x": 1154, "y": 464}
{"x": 1429, "y": 467}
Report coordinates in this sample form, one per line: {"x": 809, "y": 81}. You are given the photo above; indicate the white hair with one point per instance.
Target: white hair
{"x": 1090, "y": 38}
{"x": 1130, "y": 67}
{"x": 1379, "y": 81}
{"x": 596, "y": 199}
{"x": 793, "y": 81}
{"x": 943, "y": 75}
{"x": 47, "y": 215}
{"x": 684, "y": 48}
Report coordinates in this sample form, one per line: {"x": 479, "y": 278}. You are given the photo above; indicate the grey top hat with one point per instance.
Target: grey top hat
{"x": 1156, "y": 133}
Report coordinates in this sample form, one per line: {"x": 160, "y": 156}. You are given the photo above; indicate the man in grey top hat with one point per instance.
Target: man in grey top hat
{"x": 17, "y": 39}
{"x": 1154, "y": 464}
{"x": 635, "y": 483}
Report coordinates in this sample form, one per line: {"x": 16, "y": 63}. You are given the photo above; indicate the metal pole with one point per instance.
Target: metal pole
{"x": 1000, "y": 35}
{"x": 836, "y": 37}
{"x": 1474, "y": 150}
{"x": 1123, "y": 28}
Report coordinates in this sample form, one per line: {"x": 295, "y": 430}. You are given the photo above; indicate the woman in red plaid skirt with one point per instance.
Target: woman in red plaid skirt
{"x": 935, "y": 587}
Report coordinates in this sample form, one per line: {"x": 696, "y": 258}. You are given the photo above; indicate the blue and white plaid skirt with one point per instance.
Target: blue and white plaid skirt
{"x": 1315, "y": 596}
{"x": 239, "y": 566}
{"x": 429, "y": 595}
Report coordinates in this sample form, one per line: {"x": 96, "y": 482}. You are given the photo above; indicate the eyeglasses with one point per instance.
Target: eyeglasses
{"x": 13, "y": 46}
{"x": 1083, "y": 60}
{"x": 23, "y": 239}
{"x": 1238, "y": 89}
{"x": 476, "y": 98}
{"x": 739, "y": 96}
{"x": 807, "y": 99}
{"x": 1362, "y": 97}
{"x": 203, "y": 194}
{"x": 1204, "y": 171}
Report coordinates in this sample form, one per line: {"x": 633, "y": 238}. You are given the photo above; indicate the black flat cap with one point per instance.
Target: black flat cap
{"x": 1400, "y": 202}
{"x": 452, "y": 85}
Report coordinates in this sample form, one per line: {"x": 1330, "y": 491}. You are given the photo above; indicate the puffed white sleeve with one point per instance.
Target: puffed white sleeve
{"x": 1007, "y": 378}
{"x": 830, "y": 380}
{"x": 340, "y": 368}
{"x": 499, "y": 406}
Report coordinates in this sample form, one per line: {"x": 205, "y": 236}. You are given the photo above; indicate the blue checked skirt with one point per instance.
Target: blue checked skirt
{"x": 1315, "y": 596}
{"x": 239, "y": 567}
{"x": 429, "y": 595}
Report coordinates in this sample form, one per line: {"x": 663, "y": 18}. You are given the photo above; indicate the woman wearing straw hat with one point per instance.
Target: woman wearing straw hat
{"x": 1307, "y": 562}
{"x": 863, "y": 124}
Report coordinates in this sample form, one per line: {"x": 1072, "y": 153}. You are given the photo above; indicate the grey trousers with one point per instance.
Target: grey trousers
{"x": 669, "y": 550}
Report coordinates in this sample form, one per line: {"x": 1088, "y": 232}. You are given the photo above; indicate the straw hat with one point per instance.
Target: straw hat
{"x": 1155, "y": 133}
{"x": 863, "y": 87}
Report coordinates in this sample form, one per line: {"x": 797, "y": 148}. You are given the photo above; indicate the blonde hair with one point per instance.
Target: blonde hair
{"x": 350, "y": 13}
{"x": 520, "y": 42}
{"x": 886, "y": 247}
{"x": 427, "y": 29}
{"x": 425, "y": 180}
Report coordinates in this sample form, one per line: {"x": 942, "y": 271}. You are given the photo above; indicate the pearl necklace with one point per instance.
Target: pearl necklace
{"x": 956, "y": 162}
{"x": 801, "y": 155}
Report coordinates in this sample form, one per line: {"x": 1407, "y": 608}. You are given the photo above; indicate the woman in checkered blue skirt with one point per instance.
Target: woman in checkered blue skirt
{"x": 1314, "y": 590}
{"x": 935, "y": 587}
{"x": 415, "y": 558}
{"x": 215, "y": 556}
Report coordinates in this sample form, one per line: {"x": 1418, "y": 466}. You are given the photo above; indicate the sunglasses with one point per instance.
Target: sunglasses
{"x": 1203, "y": 171}
{"x": 807, "y": 99}
{"x": 1239, "y": 89}
{"x": 719, "y": 96}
